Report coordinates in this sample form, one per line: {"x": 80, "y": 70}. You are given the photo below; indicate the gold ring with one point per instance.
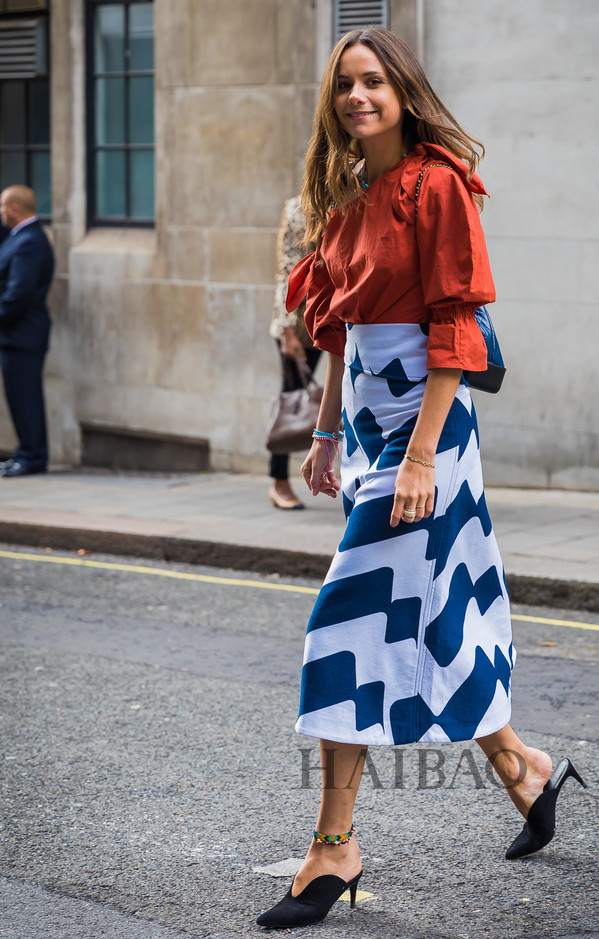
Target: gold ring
{"x": 423, "y": 506}
{"x": 409, "y": 513}
{"x": 324, "y": 476}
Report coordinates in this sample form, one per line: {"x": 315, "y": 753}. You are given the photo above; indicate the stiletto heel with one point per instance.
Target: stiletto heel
{"x": 539, "y": 827}
{"x": 316, "y": 899}
{"x": 572, "y": 772}
{"x": 311, "y": 905}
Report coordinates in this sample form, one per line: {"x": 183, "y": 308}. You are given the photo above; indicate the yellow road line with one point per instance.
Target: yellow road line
{"x": 157, "y": 571}
{"x": 553, "y": 622}
{"x": 234, "y": 582}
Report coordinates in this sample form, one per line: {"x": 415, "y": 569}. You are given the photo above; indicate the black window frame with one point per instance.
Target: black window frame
{"x": 93, "y": 219}
{"x": 29, "y": 148}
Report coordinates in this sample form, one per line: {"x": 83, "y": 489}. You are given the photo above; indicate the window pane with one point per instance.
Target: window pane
{"x": 141, "y": 110}
{"x": 110, "y": 110}
{"x": 40, "y": 181}
{"x": 141, "y": 36}
{"x": 123, "y": 122}
{"x": 12, "y": 112}
{"x": 39, "y": 112}
{"x": 142, "y": 184}
{"x": 110, "y": 184}
{"x": 13, "y": 169}
{"x": 109, "y": 36}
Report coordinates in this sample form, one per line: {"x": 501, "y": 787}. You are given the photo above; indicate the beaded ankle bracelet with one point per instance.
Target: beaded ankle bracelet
{"x": 333, "y": 840}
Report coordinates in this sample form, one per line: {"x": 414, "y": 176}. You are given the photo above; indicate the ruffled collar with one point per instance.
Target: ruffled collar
{"x": 425, "y": 153}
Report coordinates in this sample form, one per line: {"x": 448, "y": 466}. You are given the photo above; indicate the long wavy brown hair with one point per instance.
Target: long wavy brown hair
{"x": 329, "y": 178}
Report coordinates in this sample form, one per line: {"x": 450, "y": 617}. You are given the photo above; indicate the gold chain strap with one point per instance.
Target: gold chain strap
{"x": 419, "y": 184}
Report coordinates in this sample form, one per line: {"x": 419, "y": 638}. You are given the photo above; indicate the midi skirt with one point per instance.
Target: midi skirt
{"x": 410, "y": 636}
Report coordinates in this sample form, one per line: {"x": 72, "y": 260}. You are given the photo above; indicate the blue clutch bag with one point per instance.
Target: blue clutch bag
{"x": 491, "y": 378}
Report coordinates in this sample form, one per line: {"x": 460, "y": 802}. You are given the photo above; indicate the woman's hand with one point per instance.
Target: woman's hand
{"x": 291, "y": 346}
{"x": 414, "y": 492}
{"x": 317, "y": 470}
{"x": 415, "y": 483}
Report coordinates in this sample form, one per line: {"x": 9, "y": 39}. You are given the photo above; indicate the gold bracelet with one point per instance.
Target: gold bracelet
{"x": 413, "y": 459}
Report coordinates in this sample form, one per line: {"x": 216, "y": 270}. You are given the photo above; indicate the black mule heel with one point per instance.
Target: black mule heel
{"x": 312, "y": 904}
{"x": 539, "y": 827}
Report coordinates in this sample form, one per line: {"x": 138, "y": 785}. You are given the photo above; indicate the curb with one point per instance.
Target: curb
{"x": 562, "y": 594}
{"x": 259, "y": 560}
{"x": 529, "y": 591}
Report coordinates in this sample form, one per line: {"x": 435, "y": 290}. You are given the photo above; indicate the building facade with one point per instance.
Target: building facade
{"x": 179, "y": 127}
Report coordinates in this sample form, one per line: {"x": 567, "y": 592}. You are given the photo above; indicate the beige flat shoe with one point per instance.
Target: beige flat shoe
{"x": 279, "y": 502}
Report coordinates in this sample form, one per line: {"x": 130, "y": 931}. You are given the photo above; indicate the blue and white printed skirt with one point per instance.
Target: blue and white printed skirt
{"x": 410, "y": 637}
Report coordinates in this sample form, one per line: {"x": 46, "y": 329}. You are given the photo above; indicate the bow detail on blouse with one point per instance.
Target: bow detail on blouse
{"x": 431, "y": 151}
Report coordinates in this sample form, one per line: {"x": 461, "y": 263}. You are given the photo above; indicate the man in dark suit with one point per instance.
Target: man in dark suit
{"x": 26, "y": 269}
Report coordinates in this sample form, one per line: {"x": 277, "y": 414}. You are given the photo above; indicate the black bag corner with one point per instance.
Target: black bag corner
{"x": 491, "y": 379}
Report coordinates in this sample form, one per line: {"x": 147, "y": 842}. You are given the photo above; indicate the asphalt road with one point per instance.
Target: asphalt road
{"x": 149, "y": 768}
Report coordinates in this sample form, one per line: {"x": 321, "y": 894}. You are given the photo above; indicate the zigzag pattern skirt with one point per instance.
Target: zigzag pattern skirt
{"x": 410, "y": 637}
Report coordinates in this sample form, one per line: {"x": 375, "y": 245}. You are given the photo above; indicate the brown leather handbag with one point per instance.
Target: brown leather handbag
{"x": 294, "y": 416}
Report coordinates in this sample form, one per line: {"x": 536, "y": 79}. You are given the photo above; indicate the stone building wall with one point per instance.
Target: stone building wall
{"x": 166, "y": 330}
{"x": 523, "y": 77}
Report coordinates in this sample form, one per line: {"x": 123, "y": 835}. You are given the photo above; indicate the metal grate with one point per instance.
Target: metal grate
{"x": 23, "y": 49}
{"x": 353, "y": 14}
{"x": 22, "y": 6}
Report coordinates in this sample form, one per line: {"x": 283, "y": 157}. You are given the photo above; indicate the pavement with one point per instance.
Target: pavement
{"x": 549, "y": 539}
{"x": 152, "y": 785}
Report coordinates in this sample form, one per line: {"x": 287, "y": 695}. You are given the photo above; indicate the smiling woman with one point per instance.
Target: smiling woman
{"x": 410, "y": 637}
{"x": 367, "y": 106}
{"x": 335, "y": 146}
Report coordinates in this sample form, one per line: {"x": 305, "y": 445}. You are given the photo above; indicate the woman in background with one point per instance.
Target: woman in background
{"x": 295, "y": 346}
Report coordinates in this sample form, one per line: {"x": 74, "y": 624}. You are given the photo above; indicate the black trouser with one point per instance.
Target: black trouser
{"x": 22, "y": 376}
{"x": 279, "y": 462}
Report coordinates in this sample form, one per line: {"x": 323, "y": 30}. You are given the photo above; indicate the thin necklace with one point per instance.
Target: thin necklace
{"x": 362, "y": 177}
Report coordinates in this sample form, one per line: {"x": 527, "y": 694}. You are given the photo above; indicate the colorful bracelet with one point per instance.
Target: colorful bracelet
{"x": 330, "y": 840}
{"x": 335, "y": 438}
{"x": 325, "y": 435}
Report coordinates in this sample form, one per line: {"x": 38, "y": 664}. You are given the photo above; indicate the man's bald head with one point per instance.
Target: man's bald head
{"x": 17, "y": 203}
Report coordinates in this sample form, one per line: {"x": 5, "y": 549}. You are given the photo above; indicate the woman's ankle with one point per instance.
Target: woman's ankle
{"x": 511, "y": 766}
{"x": 321, "y": 859}
{"x": 526, "y": 789}
{"x": 336, "y": 852}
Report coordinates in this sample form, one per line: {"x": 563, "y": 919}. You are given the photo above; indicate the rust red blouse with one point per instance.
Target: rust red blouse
{"x": 385, "y": 264}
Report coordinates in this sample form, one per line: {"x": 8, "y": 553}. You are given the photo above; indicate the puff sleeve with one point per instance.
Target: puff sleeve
{"x": 455, "y": 270}
{"x": 310, "y": 279}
